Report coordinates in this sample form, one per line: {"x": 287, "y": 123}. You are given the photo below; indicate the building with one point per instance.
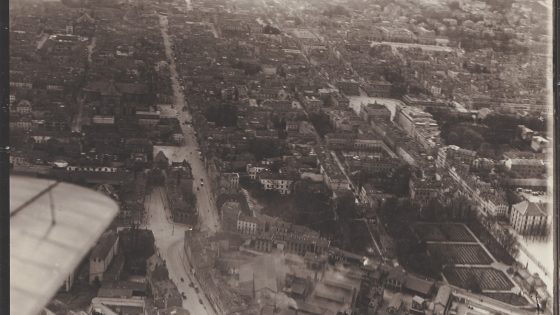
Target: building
{"x": 247, "y": 225}
{"x": 276, "y": 182}
{"x": 373, "y": 197}
{"x": 487, "y": 199}
{"x": 370, "y": 111}
{"x": 395, "y": 279}
{"x": 379, "y": 88}
{"x": 254, "y": 170}
{"x": 148, "y": 119}
{"x": 526, "y": 168}
{"x": 540, "y": 144}
{"x": 166, "y": 294}
{"x": 453, "y": 153}
{"x": 230, "y": 212}
{"x": 418, "y": 306}
{"x": 118, "y": 306}
{"x": 333, "y": 176}
{"x": 442, "y": 302}
{"x": 423, "y": 102}
{"x": 268, "y": 234}
{"x": 84, "y": 25}
{"x": 102, "y": 255}
{"x": 229, "y": 181}
{"x": 418, "y": 286}
{"x": 529, "y": 218}
{"x": 420, "y": 126}
{"x": 395, "y": 305}
{"x": 423, "y": 189}
{"x": 174, "y": 310}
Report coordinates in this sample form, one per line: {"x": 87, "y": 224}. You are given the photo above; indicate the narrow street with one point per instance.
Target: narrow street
{"x": 77, "y": 121}
{"x": 169, "y": 239}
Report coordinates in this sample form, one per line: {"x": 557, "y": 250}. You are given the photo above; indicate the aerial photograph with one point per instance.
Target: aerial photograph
{"x": 281, "y": 157}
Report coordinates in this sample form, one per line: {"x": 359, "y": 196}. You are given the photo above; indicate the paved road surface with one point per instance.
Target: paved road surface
{"x": 169, "y": 239}
{"x": 170, "y": 236}
{"x": 205, "y": 202}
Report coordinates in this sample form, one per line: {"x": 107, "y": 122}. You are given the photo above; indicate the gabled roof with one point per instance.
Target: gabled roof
{"x": 85, "y": 18}
{"x": 531, "y": 209}
{"x": 161, "y": 156}
{"x": 418, "y": 285}
{"x": 396, "y": 302}
{"x": 104, "y": 245}
{"x": 443, "y": 295}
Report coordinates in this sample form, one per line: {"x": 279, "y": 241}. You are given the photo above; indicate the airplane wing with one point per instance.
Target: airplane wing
{"x": 53, "y": 226}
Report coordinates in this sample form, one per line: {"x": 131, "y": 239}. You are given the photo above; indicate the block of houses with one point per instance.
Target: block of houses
{"x": 370, "y": 111}
{"x": 526, "y": 168}
{"x": 102, "y": 255}
{"x": 395, "y": 279}
{"x": 247, "y": 225}
{"x": 276, "y": 182}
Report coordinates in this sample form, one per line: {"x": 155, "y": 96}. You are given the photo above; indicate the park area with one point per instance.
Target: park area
{"x": 460, "y": 254}
{"x": 484, "y": 278}
{"x": 443, "y": 232}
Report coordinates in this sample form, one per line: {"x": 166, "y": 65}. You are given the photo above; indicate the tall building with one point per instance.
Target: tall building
{"x": 529, "y": 218}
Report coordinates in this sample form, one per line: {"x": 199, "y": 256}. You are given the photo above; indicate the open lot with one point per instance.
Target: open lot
{"x": 460, "y": 254}
{"x": 487, "y": 278}
{"x": 443, "y": 232}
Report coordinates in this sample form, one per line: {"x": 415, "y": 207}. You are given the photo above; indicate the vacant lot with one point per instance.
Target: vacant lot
{"x": 460, "y": 254}
{"x": 441, "y": 232}
{"x": 487, "y": 278}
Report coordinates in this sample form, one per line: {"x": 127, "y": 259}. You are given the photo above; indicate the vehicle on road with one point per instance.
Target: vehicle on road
{"x": 197, "y": 188}
{"x": 201, "y": 184}
{"x": 200, "y": 301}
{"x": 182, "y": 280}
{"x": 184, "y": 296}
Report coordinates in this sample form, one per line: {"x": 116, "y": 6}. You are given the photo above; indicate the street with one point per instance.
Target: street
{"x": 208, "y": 216}
{"x": 169, "y": 238}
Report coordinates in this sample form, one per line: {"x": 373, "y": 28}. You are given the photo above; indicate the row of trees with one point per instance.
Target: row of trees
{"x": 397, "y": 216}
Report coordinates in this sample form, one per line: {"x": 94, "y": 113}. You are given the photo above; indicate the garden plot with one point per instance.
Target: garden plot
{"x": 456, "y": 254}
{"x": 485, "y": 278}
{"x": 443, "y": 232}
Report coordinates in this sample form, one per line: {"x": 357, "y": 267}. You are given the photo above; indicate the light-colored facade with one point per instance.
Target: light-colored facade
{"x": 247, "y": 225}
{"x": 254, "y": 170}
{"x": 276, "y": 182}
{"x": 529, "y": 218}
{"x": 526, "y": 168}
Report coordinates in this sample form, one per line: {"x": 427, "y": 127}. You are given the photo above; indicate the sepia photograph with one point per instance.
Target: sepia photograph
{"x": 280, "y": 157}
